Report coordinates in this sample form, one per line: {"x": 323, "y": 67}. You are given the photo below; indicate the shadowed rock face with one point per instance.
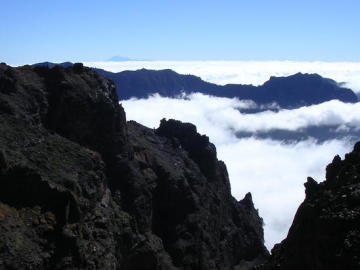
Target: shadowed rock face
{"x": 82, "y": 189}
{"x": 325, "y": 233}
{"x": 200, "y": 223}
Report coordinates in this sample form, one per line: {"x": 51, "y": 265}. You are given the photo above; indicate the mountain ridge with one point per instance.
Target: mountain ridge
{"x": 288, "y": 92}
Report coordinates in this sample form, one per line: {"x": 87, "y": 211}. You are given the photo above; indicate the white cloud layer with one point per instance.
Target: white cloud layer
{"x": 272, "y": 171}
{"x": 332, "y": 112}
{"x": 245, "y": 72}
{"x": 215, "y": 113}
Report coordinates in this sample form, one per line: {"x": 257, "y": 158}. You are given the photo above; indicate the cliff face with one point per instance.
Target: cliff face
{"x": 325, "y": 233}
{"x": 82, "y": 189}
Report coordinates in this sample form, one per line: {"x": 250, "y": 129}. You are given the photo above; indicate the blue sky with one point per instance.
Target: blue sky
{"x": 37, "y": 30}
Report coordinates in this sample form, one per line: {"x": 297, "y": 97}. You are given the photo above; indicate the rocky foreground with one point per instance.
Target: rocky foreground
{"x": 81, "y": 188}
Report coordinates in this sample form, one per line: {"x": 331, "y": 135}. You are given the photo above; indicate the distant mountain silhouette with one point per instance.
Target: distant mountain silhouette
{"x": 319, "y": 134}
{"x": 288, "y": 92}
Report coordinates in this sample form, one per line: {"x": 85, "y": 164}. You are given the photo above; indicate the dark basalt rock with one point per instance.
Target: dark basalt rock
{"x": 205, "y": 227}
{"x": 199, "y": 148}
{"x": 82, "y": 189}
{"x": 325, "y": 234}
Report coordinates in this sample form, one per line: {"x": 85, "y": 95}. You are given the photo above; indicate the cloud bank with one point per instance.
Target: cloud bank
{"x": 245, "y": 72}
{"x": 215, "y": 113}
{"x": 273, "y": 171}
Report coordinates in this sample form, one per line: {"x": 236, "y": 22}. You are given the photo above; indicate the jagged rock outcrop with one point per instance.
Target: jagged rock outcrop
{"x": 201, "y": 224}
{"x": 325, "y": 234}
{"x": 82, "y": 189}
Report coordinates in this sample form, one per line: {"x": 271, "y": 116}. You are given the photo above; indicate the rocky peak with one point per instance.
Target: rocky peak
{"x": 198, "y": 146}
{"x": 83, "y": 107}
{"x": 247, "y": 201}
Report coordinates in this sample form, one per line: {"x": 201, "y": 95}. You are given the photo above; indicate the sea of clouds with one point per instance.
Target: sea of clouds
{"x": 274, "y": 171}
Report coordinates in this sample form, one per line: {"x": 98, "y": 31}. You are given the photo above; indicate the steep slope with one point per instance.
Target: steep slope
{"x": 325, "y": 234}
{"x": 289, "y": 92}
{"x": 82, "y": 189}
{"x": 56, "y": 207}
{"x": 201, "y": 224}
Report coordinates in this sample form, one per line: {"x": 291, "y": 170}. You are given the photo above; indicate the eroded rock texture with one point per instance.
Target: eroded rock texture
{"x": 325, "y": 234}
{"x": 82, "y": 189}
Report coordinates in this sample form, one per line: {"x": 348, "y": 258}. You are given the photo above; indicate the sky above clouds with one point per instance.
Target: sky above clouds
{"x": 40, "y": 30}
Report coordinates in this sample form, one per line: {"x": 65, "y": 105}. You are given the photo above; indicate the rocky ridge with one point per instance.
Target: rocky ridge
{"x": 325, "y": 233}
{"x": 80, "y": 188}
{"x": 289, "y": 92}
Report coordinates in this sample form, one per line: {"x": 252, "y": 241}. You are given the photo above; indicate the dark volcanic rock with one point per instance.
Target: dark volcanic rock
{"x": 82, "y": 189}
{"x": 205, "y": 227}
{"x": 325, "y": 233}
{"x": 56, "y": 207}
